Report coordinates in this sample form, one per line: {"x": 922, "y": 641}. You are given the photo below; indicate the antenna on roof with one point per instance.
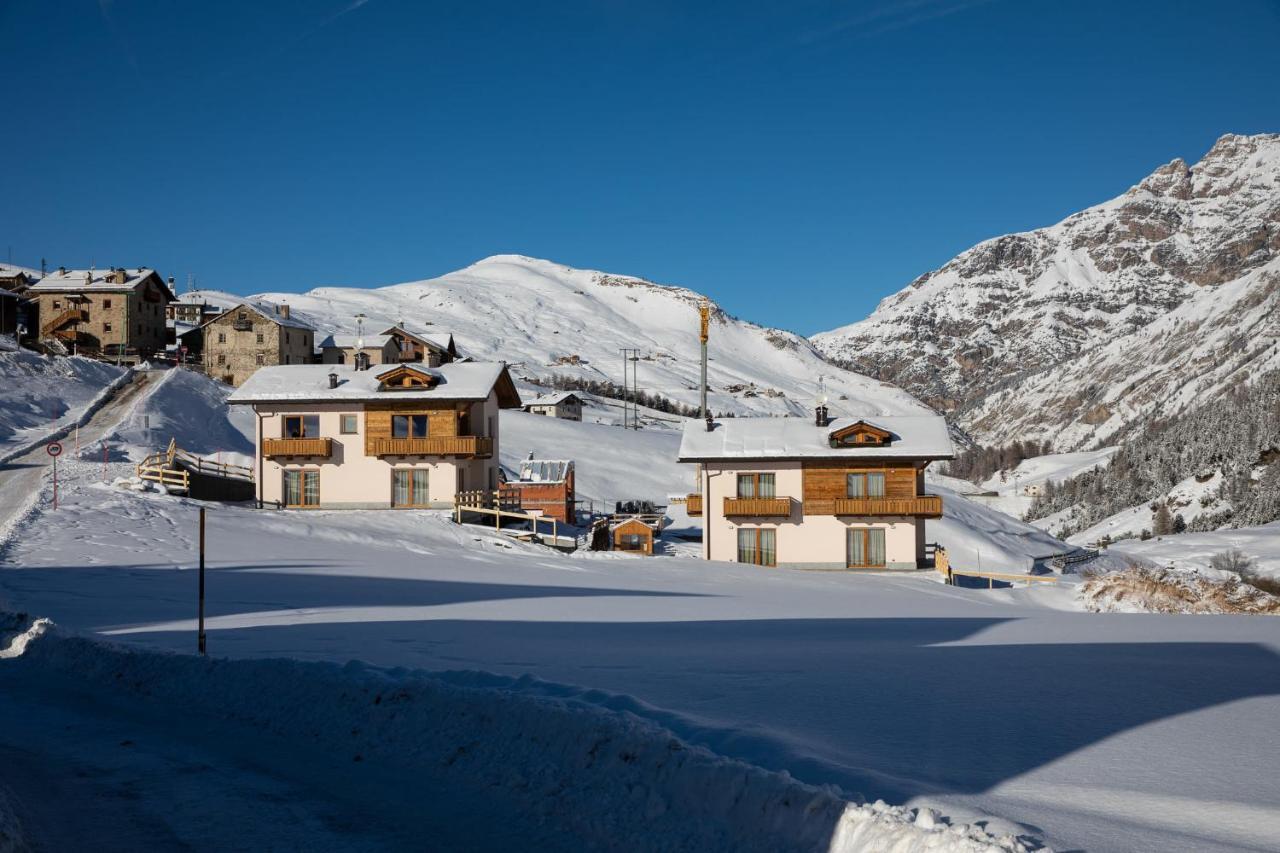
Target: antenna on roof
{"x": 704, "y": 328}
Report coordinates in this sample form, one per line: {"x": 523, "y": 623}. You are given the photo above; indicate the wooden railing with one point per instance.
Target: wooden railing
{"x": 297, "y": 446}
{"x": 453, "y": 445}
{"x": 757, "y": 506}
{"x": 929, "y": 506}
{"x": 693, "y": 504}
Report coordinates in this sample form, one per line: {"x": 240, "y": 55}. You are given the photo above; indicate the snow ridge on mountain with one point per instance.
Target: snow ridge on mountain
{"x": 548, "y": 320}
{"x": 1140, "y": 306}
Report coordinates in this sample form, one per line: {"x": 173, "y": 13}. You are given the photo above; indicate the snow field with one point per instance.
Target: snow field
{"x": 43, "y": 397}
{"x": 602, "y": 777}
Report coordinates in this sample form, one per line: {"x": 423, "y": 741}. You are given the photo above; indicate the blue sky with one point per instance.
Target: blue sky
{"x": 798, "y": 161}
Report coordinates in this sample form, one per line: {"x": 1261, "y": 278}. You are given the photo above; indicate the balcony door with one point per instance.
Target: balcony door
{"x": 866, "y": 548}
{"x": 757, "y": 485}
{"x": 865, "y": 485}
{"x": 409, "y": 487}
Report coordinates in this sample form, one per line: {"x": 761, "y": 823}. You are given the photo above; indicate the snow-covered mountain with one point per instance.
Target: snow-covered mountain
{"x": 1160, "y": 298}
{"x": 549, "y": 320}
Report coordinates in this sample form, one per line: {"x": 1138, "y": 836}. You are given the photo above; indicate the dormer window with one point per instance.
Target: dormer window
{"x": 861, "y": 434}
{"x": 406, "y": 379}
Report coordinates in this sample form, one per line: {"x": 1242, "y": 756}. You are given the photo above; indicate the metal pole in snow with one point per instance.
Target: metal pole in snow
{"x": 200, "y": 638}
{"x": 55, "y": 482}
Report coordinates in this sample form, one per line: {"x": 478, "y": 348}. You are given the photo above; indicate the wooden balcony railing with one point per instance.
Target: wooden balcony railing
{"x": 296, "y": 446}
{"x": 757, "y": 506}
{"x": 453, "y": 445}
{"x": 928, "y": 506}
{"x": 71, "y": 315}
{"x": 693, "y": 504}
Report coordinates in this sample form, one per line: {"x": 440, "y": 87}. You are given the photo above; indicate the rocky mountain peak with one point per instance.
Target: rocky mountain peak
{"x": 1000, "y": 317}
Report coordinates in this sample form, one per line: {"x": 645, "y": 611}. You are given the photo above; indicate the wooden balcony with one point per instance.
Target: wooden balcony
{"x": 474, "y": 446}
{"x": 921, "y": 506}
{"x": 770, "y": 507}
{"x": 296, "y": 446}
{"x": 71, "y": 315}
{"x": 693, "y": 504}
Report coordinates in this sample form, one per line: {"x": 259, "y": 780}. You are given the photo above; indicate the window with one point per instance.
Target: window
{"x": 242, "y": 317}
{"x": 286, "y": 359}
{"x": 408, "y": 426}
{"x": 106, "y": 327}
{"x": 300, "y": 426}
{"x": 756, "y": 485}
{"x": 222, "y": 359}
{"x": 758, "y": 545}
{"x": 259, "y": 337}
{"x": 57, "y": 304}
{"x": 222, "y": 337}
{"x": 409, "y": 487}
{"x": 301, "y": 488}
{"x": 633, "y": 541}
{"x": 106, "y": 303}
{"x": 261, "y": 358}
{"x": 866, "y": 485}
{"x": 348, "y": 424}
{"x": 286, "y": 337}
{"x": 866, "y": 547}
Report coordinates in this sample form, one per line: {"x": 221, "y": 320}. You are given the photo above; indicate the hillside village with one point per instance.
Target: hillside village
{"x": 432, "y": 476}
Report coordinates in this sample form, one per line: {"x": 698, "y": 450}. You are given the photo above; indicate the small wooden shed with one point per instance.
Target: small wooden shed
{"x": 633, "y": 535}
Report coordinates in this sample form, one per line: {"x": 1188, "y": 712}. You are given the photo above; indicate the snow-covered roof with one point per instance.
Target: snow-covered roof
{"x": 431, "y": 340}
{"x": 912, "y": 436}
{"x": 553, "y": 399}
{"x": 350, "y": 341}
{"x": 267, "y": 309}
{"x": 544, "y": 470}
{"x": 310, "y": 383}
{"x": 61, "y": 280}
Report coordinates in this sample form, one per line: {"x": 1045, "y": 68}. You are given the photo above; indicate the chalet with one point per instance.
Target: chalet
{"x": 546, "y": 486}
{"x": 115, "y": 311}
{"x": 250, "y": 336}
{"x": 632, "y": 534}
{"x": 566, "y": 405}
{"x": 190, "y": 312}
{"x": 828, "y": 494}
{"x": 389, "y": 436}
{"x": 14, "y": 279}
{"x": 342, "y": 349}
{"x": 415, "y": 346}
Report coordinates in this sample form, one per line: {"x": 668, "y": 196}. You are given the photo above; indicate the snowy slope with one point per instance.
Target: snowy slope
{"x": 42, "y": 394}
{"x": 191, "y": 409}
{"x": 1141, "y": 305}
{"x": 551, "y": 320}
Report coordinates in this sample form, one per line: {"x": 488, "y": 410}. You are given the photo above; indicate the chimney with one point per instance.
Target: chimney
{"x": 362, "y": 360}
{"x": 820, "y": 415}
{"x": 62, "y": 270}
{"x": 171, "y": 284}
{"x": 333, "y": 380}
{"x": 710, "y": 424}
{"x": 284, "y": 311}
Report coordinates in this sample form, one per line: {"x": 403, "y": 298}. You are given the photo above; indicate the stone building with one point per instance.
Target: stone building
{"x": 113, "y": 312}
{"x": 238, "y": 341}
{"x": 342, "y": 349}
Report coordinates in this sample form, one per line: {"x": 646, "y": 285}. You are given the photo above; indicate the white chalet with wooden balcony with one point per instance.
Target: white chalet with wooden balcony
{"x": 825, "y": 494}
{"x": 387, "y": 436}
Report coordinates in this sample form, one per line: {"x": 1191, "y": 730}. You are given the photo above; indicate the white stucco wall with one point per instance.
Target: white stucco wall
{"x": 351, "y": 480}
{"x": 814, "y": 541}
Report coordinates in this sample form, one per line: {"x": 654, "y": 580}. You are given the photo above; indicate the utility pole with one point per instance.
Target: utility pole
{"x": 200, "y": 640}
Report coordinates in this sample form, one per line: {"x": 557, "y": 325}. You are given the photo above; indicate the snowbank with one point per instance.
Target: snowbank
{"x": 192, "y": 409}
{"x": 1143, "y": 589}
{"x": 604, "y": 778}
{"x": 42, "y": 397}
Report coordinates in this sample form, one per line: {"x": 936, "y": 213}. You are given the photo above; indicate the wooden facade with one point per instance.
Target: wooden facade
{"x": 633, "y": 536}
{"x": 825, "y": 483}
{"x": 448, "y": 430}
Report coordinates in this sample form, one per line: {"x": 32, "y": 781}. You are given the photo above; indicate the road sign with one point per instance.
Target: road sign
{"x": 53, "y": 448}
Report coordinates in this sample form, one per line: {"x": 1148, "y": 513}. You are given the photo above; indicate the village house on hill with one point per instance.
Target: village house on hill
{"x": 343, "y": 349}
{"x": 826, "y": 494}
{"x": 565, "y": 405}
{"x": 389, "y": 436}
{"x": 415, "y": 345}
{"x": 251, "y": 336}
{"x": 114, "y": 312}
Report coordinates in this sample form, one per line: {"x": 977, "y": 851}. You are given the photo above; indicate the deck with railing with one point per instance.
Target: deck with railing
{"x": 760, "y": 507}
{"x": 478, "y": 446}
{"x": 297, "y": 446}
{"x": 927, "y": 506}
